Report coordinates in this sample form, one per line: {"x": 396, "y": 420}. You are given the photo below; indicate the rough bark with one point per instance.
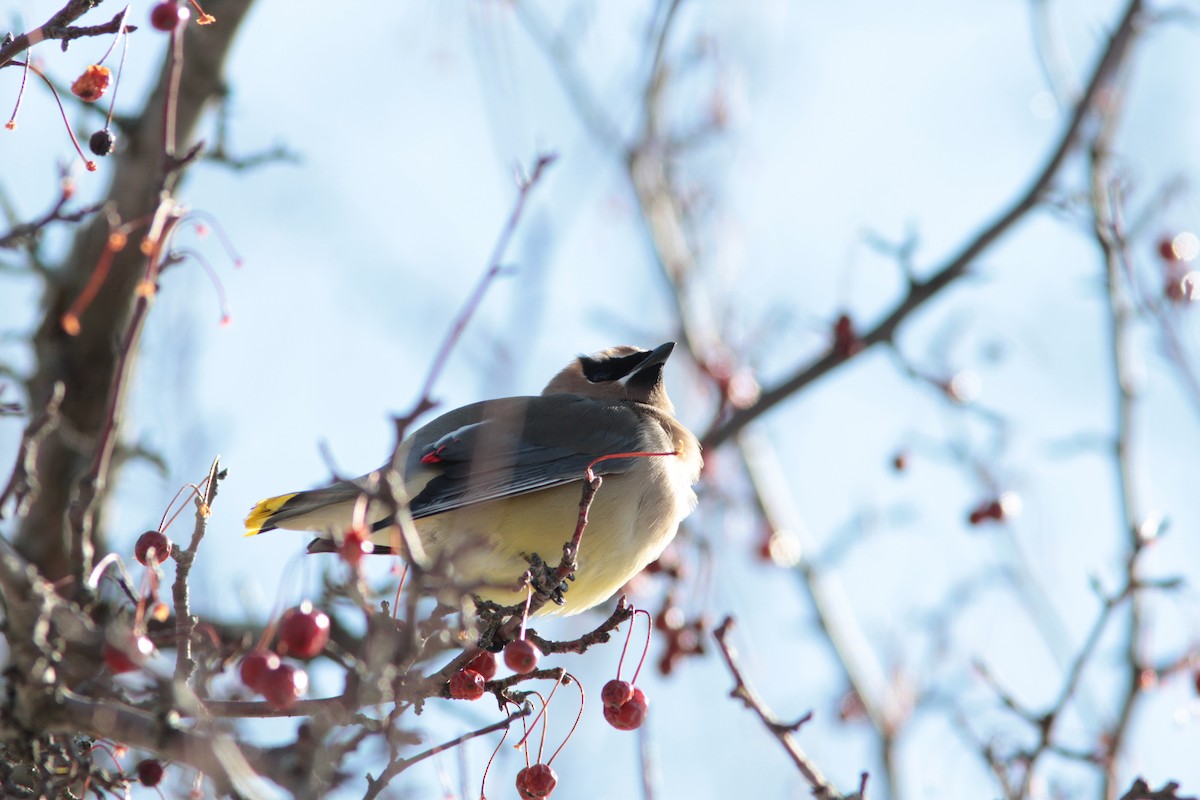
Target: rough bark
{"x": 86, "y": 364}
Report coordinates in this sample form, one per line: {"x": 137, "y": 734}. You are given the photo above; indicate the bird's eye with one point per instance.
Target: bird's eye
{"x": 602, "y": 370}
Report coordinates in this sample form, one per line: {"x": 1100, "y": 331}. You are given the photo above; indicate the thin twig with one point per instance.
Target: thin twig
{"x": 185, "y": 623}
{"x": 59, "y": 27}
{"x": 783, "y": 732}
{"x": 1107, "y": 229}
{"x": 377, "y": 785}
{"x": 27, "y": 230}
{"x": 525, "y": 187}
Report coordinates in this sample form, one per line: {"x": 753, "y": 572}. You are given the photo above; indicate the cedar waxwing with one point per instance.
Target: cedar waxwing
{"x": 494, "y": 482}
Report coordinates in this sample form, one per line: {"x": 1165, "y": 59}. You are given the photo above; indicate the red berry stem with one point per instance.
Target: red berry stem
{"x": 197, "y": 491}
{"x": 124, "y": 579}
{"x": 91, "y": 165}
{"x": 222, "y": 299}
{"x": 204, "y": 218}
{"x": 115, "y": 244}
{"x": 104, "y": 747}
{"x": 496, "y": 752}
{"x": 646, "y": 649}
{"x": 629, "y": 635}
{"x": 525, "y": 613}
{"x": 121, "y": 31}
{"x": 12, "y": 120}
{"x": 529, "y": 727}
{"x": 123, "y": 36}
{"x": 562, "y": 678}
{"x": 578, "y": 716}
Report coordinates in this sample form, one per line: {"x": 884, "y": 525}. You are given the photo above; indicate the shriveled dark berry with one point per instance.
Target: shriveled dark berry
{"x": 102, "y": 142}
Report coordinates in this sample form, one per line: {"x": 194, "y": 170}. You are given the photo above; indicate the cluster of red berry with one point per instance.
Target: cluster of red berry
{"x": 303, "y": 633}
{"x": 1182, "y": 282}
{"x": 624, "y": 705}
{"x": 520, "y": 655}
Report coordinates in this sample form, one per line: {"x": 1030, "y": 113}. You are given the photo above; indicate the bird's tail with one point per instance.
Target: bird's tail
{"x": 324, "y": 509}
{"x": 258, "y": 520}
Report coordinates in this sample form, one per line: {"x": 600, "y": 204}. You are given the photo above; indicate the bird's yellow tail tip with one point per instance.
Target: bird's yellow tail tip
{"x": 262, "y": 512}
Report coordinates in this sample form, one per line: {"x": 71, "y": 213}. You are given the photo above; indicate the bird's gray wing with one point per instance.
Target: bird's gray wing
{"x": 501, "y": 448}
{"x": 483, "y": 452}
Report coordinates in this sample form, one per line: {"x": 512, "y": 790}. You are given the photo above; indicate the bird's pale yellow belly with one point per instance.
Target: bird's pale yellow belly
{"x": 490, "y": 543}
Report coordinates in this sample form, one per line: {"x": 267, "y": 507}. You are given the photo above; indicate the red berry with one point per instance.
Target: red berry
{"x": 152, "y": 545}
{"x": 255, "y": 667}
{"x": 466, "y": 684}
{"x": 356, "y": 544}
{"x": 616, "y": 693}
{"x": 303, "y": 631}
{"x": 127, "y": 656}
{"x": 764, "y": 549}
{"x": 536, "y": 781}
{"x": 629, "y": 715}
{"x": 1166, "y": 249}
{"x": 284, "y": 685}
{"x": 484, "y": 664}
{"x": 845, "y": 340}
{"x": 169, "y": 15}
{"x": 149, "y": 772}
{"x": 522, "y": 656}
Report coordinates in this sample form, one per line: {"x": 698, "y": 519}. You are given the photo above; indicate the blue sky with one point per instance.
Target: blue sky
{"x": 844, "y": 119}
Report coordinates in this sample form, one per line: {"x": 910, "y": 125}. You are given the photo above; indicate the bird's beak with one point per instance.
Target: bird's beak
{"x": 654, "y": 358}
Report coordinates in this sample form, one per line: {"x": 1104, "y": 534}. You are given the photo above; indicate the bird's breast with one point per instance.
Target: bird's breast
{"x": 632, "y": 518}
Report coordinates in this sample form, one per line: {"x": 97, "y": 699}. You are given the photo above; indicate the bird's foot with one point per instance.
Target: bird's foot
{"x": 545, "y": 580}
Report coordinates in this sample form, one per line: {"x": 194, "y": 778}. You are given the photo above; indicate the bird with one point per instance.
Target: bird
{"x": 493, "y": 483}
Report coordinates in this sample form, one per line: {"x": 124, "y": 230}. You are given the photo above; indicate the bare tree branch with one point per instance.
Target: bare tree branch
{"x": 783, "y": 732}
{"x": 1106, "y": 70}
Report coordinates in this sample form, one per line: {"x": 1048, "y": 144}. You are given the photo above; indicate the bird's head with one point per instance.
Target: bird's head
{"x": 619, "y": 373}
